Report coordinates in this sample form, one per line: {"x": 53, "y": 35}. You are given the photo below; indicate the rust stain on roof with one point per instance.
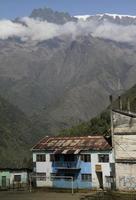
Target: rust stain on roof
{"x": 59, "y": 144}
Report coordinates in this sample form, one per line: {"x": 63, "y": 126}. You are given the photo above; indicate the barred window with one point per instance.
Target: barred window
{"x": 17, "y": 178}
{"x": 41, "y": 176}
{"x": 86, "y": 177}
{"x": 86, "y": 157}
{"x": 40, "y": 157}
{"x": 103, "y": 158}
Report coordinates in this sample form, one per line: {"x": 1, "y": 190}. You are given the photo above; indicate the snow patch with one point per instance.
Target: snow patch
{"x": 116, "y": 15}
{"x": 82, "y": 17}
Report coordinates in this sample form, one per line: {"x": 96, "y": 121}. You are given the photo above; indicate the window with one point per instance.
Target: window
{"x": 69, "y": 158}
{"x": 57, "y": 157}
{"x": 40, "y": 157}
{"x": 41, "y": 176}
{"x": 86, "y": 177}
{"x": 103, "y": 158}
{"x": 86, "y": 157}
{"x": 52, "y": 157}
{"x": 17, "y": 178}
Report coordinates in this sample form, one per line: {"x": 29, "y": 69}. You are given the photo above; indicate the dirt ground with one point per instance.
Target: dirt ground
{"x": 37, "y": 196}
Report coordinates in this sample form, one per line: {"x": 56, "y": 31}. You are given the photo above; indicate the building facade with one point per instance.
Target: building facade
{"x": 86, "y": 162}
{"x": 124, "y": 144}
{"x": 13, "y": 178}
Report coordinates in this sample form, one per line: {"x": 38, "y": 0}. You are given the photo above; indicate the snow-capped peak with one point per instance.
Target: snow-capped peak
{"x": 82, "y": 17}
{"x": 116, "y": 15}
{"x": 85, "y": 17}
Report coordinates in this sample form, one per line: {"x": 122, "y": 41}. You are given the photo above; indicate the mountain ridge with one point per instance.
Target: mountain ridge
{"x": 65, "y": 79}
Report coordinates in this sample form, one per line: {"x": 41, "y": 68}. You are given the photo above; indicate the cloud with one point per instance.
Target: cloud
{"x": 115, "y": 32}
{"x": 36, "y": 30}
{"x": 10, "y": 29}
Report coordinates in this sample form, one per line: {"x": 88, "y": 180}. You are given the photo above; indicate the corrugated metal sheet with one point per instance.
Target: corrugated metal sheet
{"x": 72, "y": 144}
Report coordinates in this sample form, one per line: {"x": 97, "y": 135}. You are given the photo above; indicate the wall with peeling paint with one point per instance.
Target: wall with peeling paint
{"x": 124, "y": 143}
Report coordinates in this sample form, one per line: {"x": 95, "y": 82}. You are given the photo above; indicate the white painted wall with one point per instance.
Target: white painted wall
{"x": 105, "y": 168}
{"x": 44, "y": 167}
{"x": 24, "y": 177}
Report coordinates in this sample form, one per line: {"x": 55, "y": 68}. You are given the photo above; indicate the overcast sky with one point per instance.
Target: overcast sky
{"x": 13, "y": 8}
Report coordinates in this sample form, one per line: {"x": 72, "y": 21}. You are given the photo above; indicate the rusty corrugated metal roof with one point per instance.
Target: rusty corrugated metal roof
{"x": 72, "y": 144}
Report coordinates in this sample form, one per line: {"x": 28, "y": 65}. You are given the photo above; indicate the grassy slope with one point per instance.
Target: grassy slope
{"x": 101, "y": 123}
{"x": 17, "y": 135}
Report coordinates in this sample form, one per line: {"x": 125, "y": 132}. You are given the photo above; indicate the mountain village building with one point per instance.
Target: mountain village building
{"x": 86, "y": 162}
{"x": 11, "y": 178}
{"x": 124, "y": 144}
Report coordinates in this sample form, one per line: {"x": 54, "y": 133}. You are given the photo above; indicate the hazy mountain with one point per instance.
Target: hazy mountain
{"x": 64, "y": 80}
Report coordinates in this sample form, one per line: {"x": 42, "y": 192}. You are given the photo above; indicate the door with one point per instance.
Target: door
{"x": 4, "y": 182}
{"x": 100, "y": 179}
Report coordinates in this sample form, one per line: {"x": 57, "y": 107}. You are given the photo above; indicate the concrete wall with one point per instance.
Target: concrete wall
{"x": 126, "y": 176}
{"x": 125, "y": 146}
{"x": 123, "y": 123}
{"x": 124, "y": 143}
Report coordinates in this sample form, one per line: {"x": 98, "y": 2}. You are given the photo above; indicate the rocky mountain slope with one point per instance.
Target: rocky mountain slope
{"x": 124, "y": 20}
{"x": 52, "y": 16}
{"x": 64, "y": 80}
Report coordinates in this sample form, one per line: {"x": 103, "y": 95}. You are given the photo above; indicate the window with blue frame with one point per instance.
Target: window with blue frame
{"x": 85, "y": 157}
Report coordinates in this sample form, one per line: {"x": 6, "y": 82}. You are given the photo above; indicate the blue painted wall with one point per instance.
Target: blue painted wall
{"x": 78, "y": 182}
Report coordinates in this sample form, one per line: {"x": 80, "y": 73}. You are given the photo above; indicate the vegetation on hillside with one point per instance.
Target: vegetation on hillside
{"x": 17, "y": 135}
{"x": 99, "y": 125}
{"x": 131, "y": 96}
